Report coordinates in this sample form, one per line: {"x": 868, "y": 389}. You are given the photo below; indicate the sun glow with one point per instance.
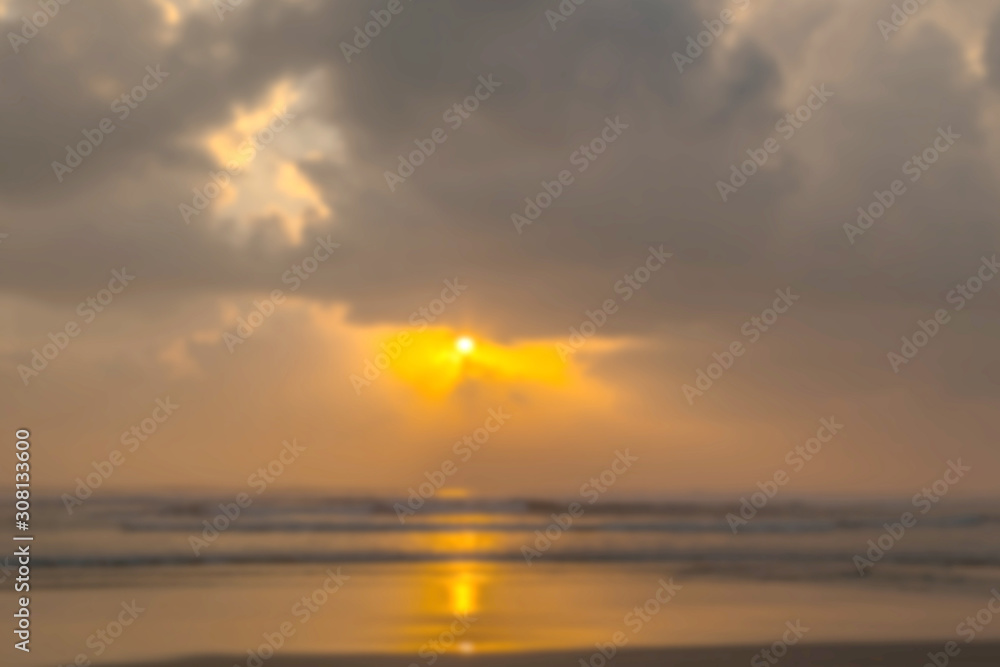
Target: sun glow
{"x": 436, "y": 361}
{"x": 465, "y": 344}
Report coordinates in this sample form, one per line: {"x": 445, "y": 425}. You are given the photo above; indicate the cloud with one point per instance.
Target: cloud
{"x": 655, "y": 185}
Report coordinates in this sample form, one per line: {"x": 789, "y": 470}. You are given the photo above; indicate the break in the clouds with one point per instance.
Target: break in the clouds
{"x": 538, "y": 161}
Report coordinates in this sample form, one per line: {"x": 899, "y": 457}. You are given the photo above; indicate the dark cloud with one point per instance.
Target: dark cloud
{"x": 657, "y": 184}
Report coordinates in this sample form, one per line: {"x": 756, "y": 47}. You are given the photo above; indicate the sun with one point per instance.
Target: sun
{"x": 465, "y": 345}
{"x": 439, "y": 360}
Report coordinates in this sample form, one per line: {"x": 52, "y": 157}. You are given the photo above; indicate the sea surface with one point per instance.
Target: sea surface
{"x": 349, "y": 576}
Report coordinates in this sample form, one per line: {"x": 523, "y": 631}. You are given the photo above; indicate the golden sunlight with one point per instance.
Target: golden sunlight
{"x": 465, "y": 344}
{"x": 436, "y": 361}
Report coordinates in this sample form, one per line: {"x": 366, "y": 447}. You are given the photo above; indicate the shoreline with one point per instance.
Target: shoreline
{"x": 985, "y": 654}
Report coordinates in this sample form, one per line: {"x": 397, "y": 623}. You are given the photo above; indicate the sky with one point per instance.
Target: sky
{"x": 283, "y": 226}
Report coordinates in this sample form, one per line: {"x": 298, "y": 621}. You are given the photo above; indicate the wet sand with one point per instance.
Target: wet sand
{"x": 858, "y": 655}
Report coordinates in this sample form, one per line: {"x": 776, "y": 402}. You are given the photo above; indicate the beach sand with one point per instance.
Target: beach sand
{"x": 881, "y": 655}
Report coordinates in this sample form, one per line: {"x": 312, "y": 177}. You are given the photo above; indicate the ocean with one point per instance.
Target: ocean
{"x": 346, "y": 575}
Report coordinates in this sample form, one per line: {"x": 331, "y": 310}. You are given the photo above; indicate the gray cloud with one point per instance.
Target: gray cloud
{"x": 655, "y": 185}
